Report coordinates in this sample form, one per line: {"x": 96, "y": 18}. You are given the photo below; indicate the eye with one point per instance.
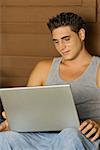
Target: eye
{"x": 56, "y": 42}
{"x": 67, "y": 39}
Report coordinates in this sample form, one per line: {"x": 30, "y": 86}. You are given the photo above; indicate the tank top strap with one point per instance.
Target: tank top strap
{"x": 55, "y": 64}
{"x": 53, "y": 76}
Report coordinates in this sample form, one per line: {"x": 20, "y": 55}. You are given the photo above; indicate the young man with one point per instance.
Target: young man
{"x": 76, "y": 67}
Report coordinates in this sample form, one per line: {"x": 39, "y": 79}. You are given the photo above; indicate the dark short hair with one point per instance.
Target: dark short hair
{"x": 74, "y": 21}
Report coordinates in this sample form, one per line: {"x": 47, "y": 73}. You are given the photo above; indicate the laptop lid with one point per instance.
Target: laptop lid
{"x": 40, "y": 108}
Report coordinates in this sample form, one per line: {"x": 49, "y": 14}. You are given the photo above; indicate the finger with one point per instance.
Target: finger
{"x": 83, "y": 124}
{"x": 87, "y": 128}
{"x": 4, "y": 114}
{"x": 94, "y": 130}
{"x": 3, "y": 126}
{"x": 97, "y": 135}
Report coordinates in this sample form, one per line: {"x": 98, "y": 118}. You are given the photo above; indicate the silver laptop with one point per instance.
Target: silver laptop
{"x": 40, "y": 108}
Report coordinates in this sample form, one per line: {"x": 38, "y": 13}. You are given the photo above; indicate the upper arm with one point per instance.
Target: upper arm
{"x": 39, "y": 73}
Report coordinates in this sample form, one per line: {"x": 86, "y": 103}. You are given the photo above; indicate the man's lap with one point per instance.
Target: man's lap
{"x": 66, "y": 139}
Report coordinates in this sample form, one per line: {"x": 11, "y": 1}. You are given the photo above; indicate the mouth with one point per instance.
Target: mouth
{"x": 65, "y": 52}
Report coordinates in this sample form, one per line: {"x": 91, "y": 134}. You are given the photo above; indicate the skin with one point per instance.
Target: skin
{"x": 72, "y": 49}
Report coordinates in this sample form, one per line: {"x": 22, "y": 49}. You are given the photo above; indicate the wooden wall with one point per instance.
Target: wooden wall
{"x": 0, "y": 44}
{"x": 26, "y": 38}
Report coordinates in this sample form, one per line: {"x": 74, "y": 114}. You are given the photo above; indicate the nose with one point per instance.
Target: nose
{"x": 62, "y": 45}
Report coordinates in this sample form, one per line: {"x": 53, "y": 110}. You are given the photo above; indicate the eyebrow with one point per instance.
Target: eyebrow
{"x": 62, "y": 37}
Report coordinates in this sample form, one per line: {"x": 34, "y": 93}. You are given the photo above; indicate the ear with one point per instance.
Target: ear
{"x": 82, "y": 34}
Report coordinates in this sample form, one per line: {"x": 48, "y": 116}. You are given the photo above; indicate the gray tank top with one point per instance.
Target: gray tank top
{"x": 84, "y": 89}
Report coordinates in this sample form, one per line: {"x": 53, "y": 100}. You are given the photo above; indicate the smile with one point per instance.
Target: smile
{"x": 65, "y": 52}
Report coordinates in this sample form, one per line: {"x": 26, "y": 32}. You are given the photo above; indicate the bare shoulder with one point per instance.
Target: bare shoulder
{"x": 40, "y": 73}
{"x": 43, "y": 66}
{"x": 44, "y": 63}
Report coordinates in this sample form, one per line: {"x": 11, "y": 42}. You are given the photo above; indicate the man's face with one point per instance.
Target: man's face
{"x": 68, "y": 43}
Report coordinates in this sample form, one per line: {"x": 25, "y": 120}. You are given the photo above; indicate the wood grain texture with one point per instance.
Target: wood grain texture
{"x": 40, "y": 3}
{"x": 28, "y": 45}
{"x": 41, "y": 14}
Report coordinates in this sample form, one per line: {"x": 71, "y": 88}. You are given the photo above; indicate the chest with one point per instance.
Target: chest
{"x": 71, "y": 73}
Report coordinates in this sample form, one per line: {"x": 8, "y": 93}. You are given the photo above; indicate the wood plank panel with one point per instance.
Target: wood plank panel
{"x": 98, "y": 11}
{"x": 32, "y": 28}
{"x": 14, "y": 71}
{"x": 28, "y": 45}
{"x": 0, "y": 82}
{"x": 93, "y": 29}
{"x": 0, "y": 15}
{"x": 0, "y": 45}
{"x": 20, "y": 61}
{"x": 1, "y": 2}
{"x": 0, "y": 33}
{"x": 41, "y": 14}
{"x": 94, "y": 33}
{"x": 98, "y": 17}
{"x": 39, "y": 3}
{"x": 94, "y": 48}
{"x": 89, "y": 3}
{"x": 16, "y": 66}
{"x": 37, "y": 28}
{"x": 14, "y": 81}
{"x": 48, "y": 3}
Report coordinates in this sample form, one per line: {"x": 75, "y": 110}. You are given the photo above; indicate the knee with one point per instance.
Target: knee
{"x": 68, "y": 138}
{"x": 70, "y": 133}
{"x": 5, "y": 136}
{"x": 1, "y": 137}
{"x": 6, "y": 139}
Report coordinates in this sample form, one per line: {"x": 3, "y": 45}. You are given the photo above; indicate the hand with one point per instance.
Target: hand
{"x": 91, "y": 129}
{"x": 4, "y": 124}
